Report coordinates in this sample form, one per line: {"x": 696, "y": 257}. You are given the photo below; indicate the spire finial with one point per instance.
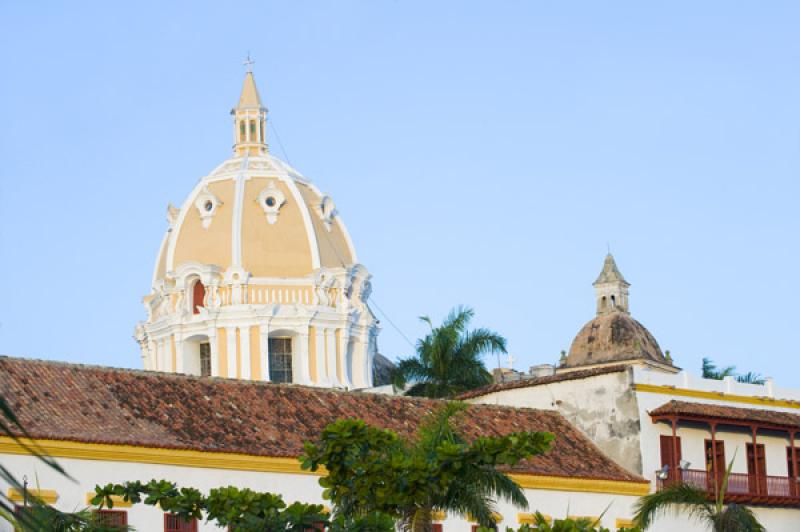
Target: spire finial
{"x": 249, "y": 63}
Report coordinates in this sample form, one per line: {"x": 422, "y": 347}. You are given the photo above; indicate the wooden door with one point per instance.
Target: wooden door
{"x": 669, "y": 456}
{"x": 715, "y": 477}
{"x": 756, "y": 468}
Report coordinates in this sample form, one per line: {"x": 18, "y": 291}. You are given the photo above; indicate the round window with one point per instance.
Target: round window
{"x": 270, "y": 201}
{"x": 208, "y": 205}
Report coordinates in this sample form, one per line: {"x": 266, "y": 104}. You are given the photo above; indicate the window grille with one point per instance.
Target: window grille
{"x": 174, "y": 523}
{"x": 205, "y": 359}
{"x": 280, "y": 359}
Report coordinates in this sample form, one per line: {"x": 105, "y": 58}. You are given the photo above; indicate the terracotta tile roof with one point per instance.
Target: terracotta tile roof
{"x": 116, "y": 406}
{"x": 730, "y": 414}
{"x": 537, "y": 381}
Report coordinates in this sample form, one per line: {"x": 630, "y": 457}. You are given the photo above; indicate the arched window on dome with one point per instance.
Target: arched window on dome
{"x": 198, "y": 295}
{"x": 262, "y": 139}
{"x": 242, "y": 131}
{"x": 613, "y": 301}
{"x": 253, "y": 131}
{"x": 603, "y": 303}
{"x": 280, "y": 359}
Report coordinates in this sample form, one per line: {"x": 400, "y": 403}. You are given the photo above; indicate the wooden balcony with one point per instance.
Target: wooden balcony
{"x": 744, "y": 488}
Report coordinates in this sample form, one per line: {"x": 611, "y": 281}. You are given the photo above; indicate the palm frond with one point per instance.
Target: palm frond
{"x": 675, "y": 498}
{"x": 737, "y": 518}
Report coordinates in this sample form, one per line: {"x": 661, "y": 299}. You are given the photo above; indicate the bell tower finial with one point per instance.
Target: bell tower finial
{"x": 249, "y": 118}
{"x": 611, "y": 289}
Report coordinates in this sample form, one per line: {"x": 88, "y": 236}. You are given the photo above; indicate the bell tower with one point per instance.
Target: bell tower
{"x": 611, "y": 289}
{"x": 249, "y": 119}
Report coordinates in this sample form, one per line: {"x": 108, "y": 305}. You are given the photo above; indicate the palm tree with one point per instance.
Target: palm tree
{"x": 710, "y": 371}
{"x": 696, "y": 503}
{"x": 478, "y": 486}
{"x": 449, "y": 358}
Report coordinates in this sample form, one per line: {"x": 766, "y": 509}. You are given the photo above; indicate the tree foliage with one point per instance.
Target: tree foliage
{"x": 374, "y": 470}
{"x": 449, "y": 360}
{"x": 690, "y": 501}
{"x": 710, "y": 371}
{"x": 241, "y": 509}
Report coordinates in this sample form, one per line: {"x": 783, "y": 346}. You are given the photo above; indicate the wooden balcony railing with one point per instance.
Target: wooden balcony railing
{"x": 742, "y": 487}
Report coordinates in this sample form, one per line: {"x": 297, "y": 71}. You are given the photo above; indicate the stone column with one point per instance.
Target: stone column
{"x": 264, "y": 350}
{"x": 347, "y": 370}
{"x": 300, "y": 358}
{"x": 212, "y": 341}
{"x": 330, "y": 346}
{"x": 322, "y": 374}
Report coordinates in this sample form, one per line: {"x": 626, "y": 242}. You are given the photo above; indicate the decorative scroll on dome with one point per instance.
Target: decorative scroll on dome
{"x": 326, "y": 210}
{"x": 271, "y": 200}
{"x": 207, "y": 204}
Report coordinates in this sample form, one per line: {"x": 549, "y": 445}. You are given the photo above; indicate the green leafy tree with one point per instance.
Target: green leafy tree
{"x": 374, "y": 470}
{"x": 449, "y": 359}
{"x": 241, "y": 509}
{"x": 710, "y": 371}
{"x": 695, "y": 503}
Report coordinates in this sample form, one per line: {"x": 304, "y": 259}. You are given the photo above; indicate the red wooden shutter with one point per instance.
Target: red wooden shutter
{"x": 112, "y": 517}
{"x": 667, "y": 456}
{"x": 436, "y": 527}
{"x": 173, "y": 523}
{"x": 198, "y": 295}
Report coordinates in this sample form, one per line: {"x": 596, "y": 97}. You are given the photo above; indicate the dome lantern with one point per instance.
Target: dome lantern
{"x": 611, "y": 289}
{"x": 249, "y": 118}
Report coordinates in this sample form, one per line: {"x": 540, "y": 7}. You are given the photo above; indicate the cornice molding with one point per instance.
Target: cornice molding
{"x": 274, "y": 464}
{"x": 716, "y": 396}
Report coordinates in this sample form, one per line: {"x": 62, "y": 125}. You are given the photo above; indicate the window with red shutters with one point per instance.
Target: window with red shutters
{"x": 112, "y": 518}
{"x": 173, "y": 523}
{"x": 436, "y": 527}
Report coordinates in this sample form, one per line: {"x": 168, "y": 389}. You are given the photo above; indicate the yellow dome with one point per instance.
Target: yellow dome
{"x": 258, "y": 215}
{"x": 257, "y": 277}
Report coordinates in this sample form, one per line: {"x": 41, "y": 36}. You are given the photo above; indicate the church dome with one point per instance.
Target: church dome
{"x": 257, "y": 278}
{"x": 613, "y": 337}
{"x": 258, "y": 215}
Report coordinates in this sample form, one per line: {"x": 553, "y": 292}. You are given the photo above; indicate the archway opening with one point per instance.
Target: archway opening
{"x": 198, "y": 296}
{"x": 196, "y": 355}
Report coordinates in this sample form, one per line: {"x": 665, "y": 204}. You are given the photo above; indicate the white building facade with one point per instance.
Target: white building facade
{"x": 665, "y": 424}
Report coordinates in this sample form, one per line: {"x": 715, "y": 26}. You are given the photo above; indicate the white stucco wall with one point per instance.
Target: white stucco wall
{"x": 293, "y": 487}
{"x": 603, "y": 407}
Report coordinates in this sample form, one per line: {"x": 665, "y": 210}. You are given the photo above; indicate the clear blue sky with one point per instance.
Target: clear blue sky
{"x": 481, "y": 153}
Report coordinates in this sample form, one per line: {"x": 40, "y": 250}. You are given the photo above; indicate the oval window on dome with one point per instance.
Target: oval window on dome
{"x": 208, "y": 205}
{"x": 270, "y": 201}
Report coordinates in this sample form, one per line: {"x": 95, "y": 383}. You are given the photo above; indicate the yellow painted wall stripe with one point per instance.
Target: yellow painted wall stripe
{"x": 47, "y": 496}
{"x": 717, "y": 396}
{"x": 275, "y": 464}
{"x": 618, "y": 487}
{"x": 118, "y": 501}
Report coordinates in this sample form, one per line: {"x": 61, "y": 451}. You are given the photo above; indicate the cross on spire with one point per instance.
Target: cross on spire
{"x": 249, "y": 63}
